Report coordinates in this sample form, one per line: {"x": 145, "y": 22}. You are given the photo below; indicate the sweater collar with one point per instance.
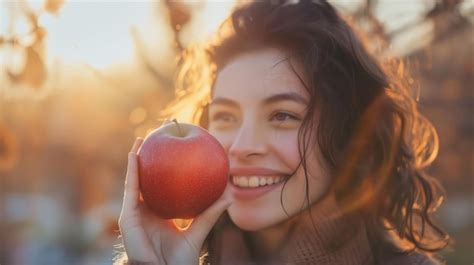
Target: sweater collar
{"x": 322, "y": 236}
{"x": 327, "y": 236}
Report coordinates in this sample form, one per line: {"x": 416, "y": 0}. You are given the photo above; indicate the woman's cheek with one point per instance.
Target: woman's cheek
{"x": 286, "y": 144}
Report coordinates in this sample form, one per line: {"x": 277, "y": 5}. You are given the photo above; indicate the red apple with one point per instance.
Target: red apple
{"x": 182, "y": 170}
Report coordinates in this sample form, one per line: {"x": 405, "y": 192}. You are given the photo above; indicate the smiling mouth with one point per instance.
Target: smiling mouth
{"x": 256, "y": 181}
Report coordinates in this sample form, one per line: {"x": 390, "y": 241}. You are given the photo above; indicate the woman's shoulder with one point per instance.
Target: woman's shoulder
{"x": 412, "y": 258}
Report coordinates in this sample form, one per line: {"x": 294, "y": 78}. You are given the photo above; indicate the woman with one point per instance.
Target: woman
{"x": 327, "y": 151}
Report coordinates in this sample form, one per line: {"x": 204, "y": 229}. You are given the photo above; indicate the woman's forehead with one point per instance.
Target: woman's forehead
{"x": 258, "y": 74}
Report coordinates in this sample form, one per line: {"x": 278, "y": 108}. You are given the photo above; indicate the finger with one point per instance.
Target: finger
{"x": 203, "y": 223}
{"x": 136, "y": 145}
{"x": 131, "y": 179}
{"x": 132, "y": 189}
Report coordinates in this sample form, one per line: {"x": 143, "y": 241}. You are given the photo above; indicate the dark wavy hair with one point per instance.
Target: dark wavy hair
{"x": 370, "y": 132}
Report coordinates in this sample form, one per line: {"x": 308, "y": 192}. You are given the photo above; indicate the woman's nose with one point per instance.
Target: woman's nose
{"x": 249, "y": 141}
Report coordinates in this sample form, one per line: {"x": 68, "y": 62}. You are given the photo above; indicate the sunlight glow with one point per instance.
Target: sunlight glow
{"x": 98, "y": 34}
{"x": 207, "y": 20}
{"x": 94, "y": 33}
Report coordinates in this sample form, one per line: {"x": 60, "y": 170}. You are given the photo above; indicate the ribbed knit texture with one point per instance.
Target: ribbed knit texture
{"x": 334, "y": 239}
{"x": 337, "y": 240}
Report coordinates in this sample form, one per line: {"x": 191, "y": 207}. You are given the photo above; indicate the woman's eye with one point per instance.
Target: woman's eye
{"x": 284, "y": 116}
{"x": 224, "y": 117}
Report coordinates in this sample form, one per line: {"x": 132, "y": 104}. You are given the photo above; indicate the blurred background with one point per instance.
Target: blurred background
{"x": 79, "y": 80}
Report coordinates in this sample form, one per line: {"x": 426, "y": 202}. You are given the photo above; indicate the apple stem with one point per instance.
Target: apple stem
{"x": 179, "y": 128}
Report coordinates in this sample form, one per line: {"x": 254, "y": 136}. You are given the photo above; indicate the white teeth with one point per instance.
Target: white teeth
{"x": 244, "y": 182}
{"x": 269, "y": 181}
{"x": 255, "y": 181}
{"x": 235, "y": 180}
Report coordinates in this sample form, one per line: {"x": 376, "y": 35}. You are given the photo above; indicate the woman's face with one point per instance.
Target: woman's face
{"x": 257, "y": 108}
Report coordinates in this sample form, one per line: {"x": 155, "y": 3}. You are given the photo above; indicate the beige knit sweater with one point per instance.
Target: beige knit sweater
{"x": 335, "y": 239}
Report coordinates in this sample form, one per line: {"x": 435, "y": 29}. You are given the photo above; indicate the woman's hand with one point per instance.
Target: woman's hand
{"x": 148, "y": 238}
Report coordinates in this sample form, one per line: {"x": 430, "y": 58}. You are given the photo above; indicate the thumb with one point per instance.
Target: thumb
{"x": 204, "y": 222}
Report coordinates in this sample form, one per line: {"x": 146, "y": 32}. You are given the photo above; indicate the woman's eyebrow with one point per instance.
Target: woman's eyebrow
{"x": 292, "y": 96}
{"x": 224, "y": 101}
{"x": 286, "y": 96}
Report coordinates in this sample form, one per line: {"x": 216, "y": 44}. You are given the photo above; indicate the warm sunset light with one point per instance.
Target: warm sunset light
{"x": 99, "y": 34}
{"x": 95, "y": 33}
{"x": 84, "y": 82}
{"x": 207, "y": 18}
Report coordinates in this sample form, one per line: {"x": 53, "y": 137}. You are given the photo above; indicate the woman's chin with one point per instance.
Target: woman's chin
{"x": 250, "y": 222}
{"x": 248, "y": 225}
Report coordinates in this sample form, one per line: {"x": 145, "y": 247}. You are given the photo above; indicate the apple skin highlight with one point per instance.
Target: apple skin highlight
{"x": 182, "y": 170}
